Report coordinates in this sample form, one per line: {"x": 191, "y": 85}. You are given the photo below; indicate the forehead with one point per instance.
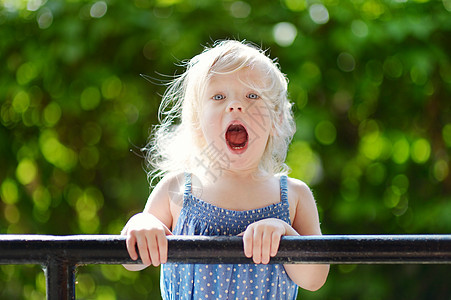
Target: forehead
{"x": 251, "y": 77}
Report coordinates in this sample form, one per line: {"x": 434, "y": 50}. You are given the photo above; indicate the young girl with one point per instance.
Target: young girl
{"x": 220, "y": 152}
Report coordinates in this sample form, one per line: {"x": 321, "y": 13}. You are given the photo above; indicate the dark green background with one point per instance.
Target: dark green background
{"x": 371, "y": 86}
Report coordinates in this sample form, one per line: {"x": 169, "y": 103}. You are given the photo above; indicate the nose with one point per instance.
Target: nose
{"x": 235, "y": 106}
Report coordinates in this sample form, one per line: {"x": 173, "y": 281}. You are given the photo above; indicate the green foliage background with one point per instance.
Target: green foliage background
{"x": 371, "y": 86}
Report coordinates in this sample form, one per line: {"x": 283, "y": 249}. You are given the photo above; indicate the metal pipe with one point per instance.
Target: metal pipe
{"x": 334, "y": 249}
{"x": 60, "y": 255}
{"x": 60, "y": 280}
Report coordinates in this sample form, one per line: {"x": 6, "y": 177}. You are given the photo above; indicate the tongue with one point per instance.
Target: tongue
{"x": 236, "y": 135}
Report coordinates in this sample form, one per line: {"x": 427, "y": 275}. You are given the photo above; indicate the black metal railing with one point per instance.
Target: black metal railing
{"x": 60, "y": 255}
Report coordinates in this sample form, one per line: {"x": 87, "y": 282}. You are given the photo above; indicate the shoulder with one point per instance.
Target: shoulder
{"x": 170, "y": 188}
{"x": 171, "y": 181}
{"x": 299, "y": 191}
{"x": 297, "y": 185}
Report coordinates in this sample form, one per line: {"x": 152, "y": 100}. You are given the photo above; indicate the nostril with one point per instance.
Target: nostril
{"x": 236, "y": 106}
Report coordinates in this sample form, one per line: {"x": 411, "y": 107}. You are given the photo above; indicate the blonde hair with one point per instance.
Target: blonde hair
{"x": 175, "y": 144}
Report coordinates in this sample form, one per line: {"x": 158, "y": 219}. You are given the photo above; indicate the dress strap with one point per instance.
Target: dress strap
{"x": 187, "y": 183}
{"x": 283, "y": 189}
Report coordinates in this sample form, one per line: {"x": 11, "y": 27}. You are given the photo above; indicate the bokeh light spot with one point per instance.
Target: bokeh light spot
{"x": 240, "y": 9}
{"x": 325, "y": 132}
{"x": 391, "y": 197}
{"x": 86, "y": 285}
{"x": 26, "y": 73}
{"x": 296, "y": 5}
{"x": 441, "y": 170}
{"x": 111, "y": 87}
{"x": 319, "y": 13}
{"x": 87, "y": 205}
{"x": 401, "y": 182}
{"x": 98, "y": 9}
{"x": 90, "y": 98}
{"x": 26, "y": 171}
{"x": 34, "y": 5}
{"x": 11, "y": 213}
{"x": 106, "y": 292}
{"x": 375, "y": 146}
{"x": 393, "y": 67}
{"x": 52, "y": 114}
{"x": 342, "y": 101}
{"x": 21, "y": 102}
{"x": 401, "y": 151}
{"x": 373, "y": 9}
{"x": 359, "y": 28}
{"x": 284, "y": 33}
{"x": 42, "y": 198}
{"x": 44, "y": 18}
{"x": 55, "y": 152}
{"x": 346, "y": 62}
{"x": 9, "y": 191}
{"x": 421, "y": 150}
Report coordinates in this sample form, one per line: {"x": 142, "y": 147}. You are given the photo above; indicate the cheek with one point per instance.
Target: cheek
{"x": 210, "y": 125}
{"x": 261, "y": 119}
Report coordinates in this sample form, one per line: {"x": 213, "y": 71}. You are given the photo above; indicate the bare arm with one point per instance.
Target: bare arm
{"x": 147, "y": 230}
{"x": 305, "y": 222}
{"x": 262, "y": 238}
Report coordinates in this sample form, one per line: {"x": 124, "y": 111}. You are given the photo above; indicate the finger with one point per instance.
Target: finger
{"x": 143, "y": 250}
{"x": 275, "y": 244}
{"x": 152, "y": 246}
{"x": 163, "y": 248}
{"x": 266, "y": 247}
{"x": 257, "y": 246}
{"x": 131, "y": 247}
{"x": 247, "y": 241}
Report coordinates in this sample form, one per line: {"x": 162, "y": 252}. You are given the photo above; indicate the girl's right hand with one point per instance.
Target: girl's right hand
{"x": 147, "y": 233}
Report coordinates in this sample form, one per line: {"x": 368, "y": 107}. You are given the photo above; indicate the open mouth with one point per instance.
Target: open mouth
{"x": 237, "y": 137}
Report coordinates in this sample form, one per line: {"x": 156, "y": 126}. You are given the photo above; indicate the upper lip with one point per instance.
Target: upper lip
{"x": 236, "y": 122}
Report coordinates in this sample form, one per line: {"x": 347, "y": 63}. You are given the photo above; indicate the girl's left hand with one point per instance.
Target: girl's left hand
{"x": 261, "y": 239}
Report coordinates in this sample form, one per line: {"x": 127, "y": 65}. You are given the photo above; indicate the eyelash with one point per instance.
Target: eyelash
{"x": 251, "y": 96}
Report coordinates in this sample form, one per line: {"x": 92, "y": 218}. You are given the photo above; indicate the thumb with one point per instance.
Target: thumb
{"x": 240, "y": 234}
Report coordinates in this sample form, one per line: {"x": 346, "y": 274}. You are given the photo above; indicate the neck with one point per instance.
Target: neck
{"x": 246, "y": 175}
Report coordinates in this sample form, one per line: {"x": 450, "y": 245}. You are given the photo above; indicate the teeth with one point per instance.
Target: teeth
{"x": 237, "y": 148}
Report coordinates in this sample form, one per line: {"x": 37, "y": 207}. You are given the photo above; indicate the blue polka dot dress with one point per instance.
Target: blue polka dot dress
{"x": 225, "y": 281}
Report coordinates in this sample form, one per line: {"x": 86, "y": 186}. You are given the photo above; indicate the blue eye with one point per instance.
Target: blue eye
{"x": 218, "y": 97}
{"x": 253, "y": 96}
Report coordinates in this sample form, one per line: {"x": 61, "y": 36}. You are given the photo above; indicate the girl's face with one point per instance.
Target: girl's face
{"x": 235, "y": 120}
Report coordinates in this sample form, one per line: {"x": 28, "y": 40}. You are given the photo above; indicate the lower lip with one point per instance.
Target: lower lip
{"x": 238, "y": 150}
